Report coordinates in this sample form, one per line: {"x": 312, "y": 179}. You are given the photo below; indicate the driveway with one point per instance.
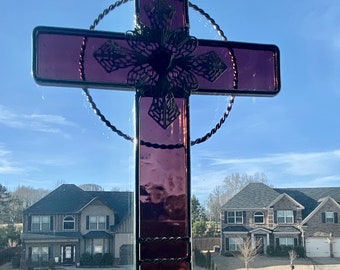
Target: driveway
{"x": 326, "y": 263}
{"x": 260, "y": 262}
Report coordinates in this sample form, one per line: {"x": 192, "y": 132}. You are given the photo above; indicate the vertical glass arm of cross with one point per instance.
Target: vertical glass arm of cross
{"x": 162, "y": 180}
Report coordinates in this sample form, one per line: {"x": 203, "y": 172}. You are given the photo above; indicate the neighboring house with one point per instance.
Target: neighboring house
{"x": 70, "y": 221}
{"x": 283, "y": 216}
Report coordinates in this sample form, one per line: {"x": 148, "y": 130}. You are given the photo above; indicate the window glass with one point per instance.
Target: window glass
{"x": 329, "y": 216}
{"x": 286, "y": 241}
{"x": 35, "y": 223}
{"x": 258, "y": 217}
{"x": 93, "y": 222}
{"x": 285, "y": 216}
{"x": 39, "y": 254}
{"x": 40, "y": 223}
{"x": 68, "y": 223}
{"x": 235, "y": 217}
{"x": 235, "y": 243}
{"x": 101, "y": 223}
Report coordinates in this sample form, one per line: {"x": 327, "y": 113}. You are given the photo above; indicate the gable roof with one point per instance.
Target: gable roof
{"x": 322, "y": 202}
{"x": 119, "y": 201}
{"x": 310, "y": 197}
{"x": 285, "y": 195}
{"x": 252, "y": 196}
{"x": 70, "y": 199}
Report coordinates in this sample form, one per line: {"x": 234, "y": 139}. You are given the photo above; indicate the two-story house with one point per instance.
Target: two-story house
{"x": 283, "y": 216}
{"x": 70, "y": 221}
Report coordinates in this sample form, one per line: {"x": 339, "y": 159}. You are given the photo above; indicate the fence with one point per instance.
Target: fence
{"x": 206, "y": 243}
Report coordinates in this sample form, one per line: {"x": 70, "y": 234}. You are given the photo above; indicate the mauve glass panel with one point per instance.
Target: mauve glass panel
{"x": 163, "y": 186}
{"x": 57, "y": 53}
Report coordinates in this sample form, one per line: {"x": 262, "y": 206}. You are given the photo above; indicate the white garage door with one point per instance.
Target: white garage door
{"x": 317, "y": 247}
{"x": 336, "y": 247}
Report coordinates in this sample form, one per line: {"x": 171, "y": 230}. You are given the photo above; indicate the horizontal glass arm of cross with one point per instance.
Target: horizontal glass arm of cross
{"x": 97, "y": 59}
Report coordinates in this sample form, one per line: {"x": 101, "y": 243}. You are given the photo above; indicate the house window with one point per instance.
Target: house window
{"x": 39, "y": 254}
{"x": 97, "y": 222}
{"x": 235, "y": 243}
{"x": 235, "y": 217}
{"x": 286, "y": 242}
{"x": 329, "y": 216}
{"x": 69, "y": 223}
{"x": 285, "y": 216}
{"x": 259, "y": 217}
{"x": 40, "y": 223}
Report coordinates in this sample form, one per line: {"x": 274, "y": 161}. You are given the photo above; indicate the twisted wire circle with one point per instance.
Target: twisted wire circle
{"x": 149, "y": 144}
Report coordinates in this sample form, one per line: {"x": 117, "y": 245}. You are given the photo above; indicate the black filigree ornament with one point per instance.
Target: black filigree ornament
{"x": 163, "y": 66}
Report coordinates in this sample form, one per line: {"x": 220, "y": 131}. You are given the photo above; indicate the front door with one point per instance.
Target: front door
{"x": 259, "y": 244}
{"x": 68, "y": 254}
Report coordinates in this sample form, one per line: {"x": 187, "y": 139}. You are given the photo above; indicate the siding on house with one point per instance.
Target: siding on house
{"x": 70, "y": 221}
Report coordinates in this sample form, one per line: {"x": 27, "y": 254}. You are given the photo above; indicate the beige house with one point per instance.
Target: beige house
{"x": 69, "y": 222}
{"x": 305, "y": 217}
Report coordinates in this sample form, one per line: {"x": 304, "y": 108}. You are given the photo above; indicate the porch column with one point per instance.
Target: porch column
{"x": 268, "y": 243}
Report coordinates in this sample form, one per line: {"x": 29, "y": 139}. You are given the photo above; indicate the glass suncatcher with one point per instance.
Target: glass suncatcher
{"x": 164, "y": 65}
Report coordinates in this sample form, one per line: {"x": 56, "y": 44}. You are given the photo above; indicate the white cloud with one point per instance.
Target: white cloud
{"x": 37, "y": 122}
{"x": 298, "y": 164}
{"x": 7, "y": 166}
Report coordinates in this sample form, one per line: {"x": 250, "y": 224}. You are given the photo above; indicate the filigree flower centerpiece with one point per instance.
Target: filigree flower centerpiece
{"x": 162, "y": 62}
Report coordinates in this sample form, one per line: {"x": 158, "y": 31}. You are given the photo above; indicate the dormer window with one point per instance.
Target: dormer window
{"x": 258, "y": 218}
{"x": 69, "y": 223}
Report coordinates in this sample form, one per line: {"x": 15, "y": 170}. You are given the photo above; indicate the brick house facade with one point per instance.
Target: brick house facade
{"x": 305, "y": 217}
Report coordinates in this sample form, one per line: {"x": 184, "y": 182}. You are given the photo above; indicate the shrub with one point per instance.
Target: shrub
{"x": 270, "y": 250}
{"x": 15, "y": 262}
{"x": 98, "y": 259}
{"x": 86, "y": 259}
{"x": 300, "y": 251}
{"x": 107, "y": 259}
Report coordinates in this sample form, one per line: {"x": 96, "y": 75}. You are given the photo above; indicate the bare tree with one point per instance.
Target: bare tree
{"x": 232, "y": 184}
{"x": 292, "y": 256}
{"x": 29, "y": 195}
{"x": 249, "y": 250}
{"x": 91, "y": 187}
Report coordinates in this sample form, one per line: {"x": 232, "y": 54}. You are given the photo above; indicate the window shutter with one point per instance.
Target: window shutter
{"x": 294, "y": 216}
{"x": 107, "y": 222}
{"x": 50, "y": 252}
{"x": 225, "y": 216}
{"x": 275, "y": 216}
{"x": 30, "y": 253}
{"x": 323, "y": 217}
{"x": 336, "y": 217}
{"x": 87, "y": 222}
{"x": 244, "y": 217}
{"x": 277, "y": 242}
{"x": 227, "y": 244}
{"x": 51, "y": 223}
{"x": 29, "y": 225}
{"x": 295, "y": 242}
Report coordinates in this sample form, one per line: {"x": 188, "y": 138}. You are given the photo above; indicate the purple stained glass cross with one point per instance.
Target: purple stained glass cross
{"x": 164, "y": 65}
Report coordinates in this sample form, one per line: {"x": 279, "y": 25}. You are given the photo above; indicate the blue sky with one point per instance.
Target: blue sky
{"x": 50, "y": 135}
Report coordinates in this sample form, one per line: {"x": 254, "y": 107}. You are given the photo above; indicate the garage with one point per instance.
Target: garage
{"x": 317, "y": 247}
{"x": 336, "y": 247}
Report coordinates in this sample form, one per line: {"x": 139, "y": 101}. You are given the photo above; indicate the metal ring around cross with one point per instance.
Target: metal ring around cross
{"x": 124, "y": 135}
